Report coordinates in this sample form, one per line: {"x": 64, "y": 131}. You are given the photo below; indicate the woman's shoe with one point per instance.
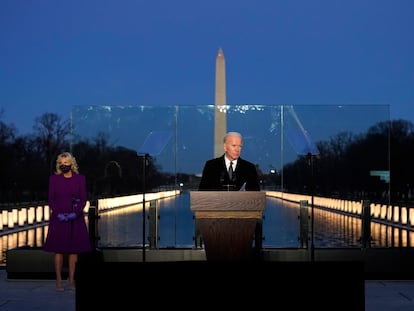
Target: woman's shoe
{"x": 72, "y": 286}
{"x": 59, "y": 286}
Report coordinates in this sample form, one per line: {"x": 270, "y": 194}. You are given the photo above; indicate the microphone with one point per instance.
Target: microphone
{"x": 231, "y": 182}
{"x": 225, "y": 182}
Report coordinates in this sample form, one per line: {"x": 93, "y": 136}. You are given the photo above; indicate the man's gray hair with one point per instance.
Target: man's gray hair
{"x": 231, "y": 134}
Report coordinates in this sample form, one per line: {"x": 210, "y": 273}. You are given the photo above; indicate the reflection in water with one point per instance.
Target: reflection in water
{"x": 27, "y": 238}
{"x": 335, "y": 230}
{"x": 175, "y": 225}
{"x": 121, "y": 228}
{"x": 386, "y": 236}
{"x": 281, "y": 225}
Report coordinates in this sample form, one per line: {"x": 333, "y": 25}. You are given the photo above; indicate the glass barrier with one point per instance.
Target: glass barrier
{"x": 320, "y": 151}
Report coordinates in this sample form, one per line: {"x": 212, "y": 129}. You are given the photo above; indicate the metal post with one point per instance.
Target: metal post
{"x": 198, "y": 241}
{"x": 144, "y": 164}
{"x": 93, "y": 218}
{"x": 366, "y": 224}
{"x": 304, "y": 223}
{"x": 153, "y": 225}
{"x": 310, "y": 159}
{"x": 258, "y": 238}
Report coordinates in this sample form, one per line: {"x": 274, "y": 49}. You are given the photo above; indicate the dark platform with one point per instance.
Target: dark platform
{"x": 379, "y": 263}
{"x": 218, "y": 285}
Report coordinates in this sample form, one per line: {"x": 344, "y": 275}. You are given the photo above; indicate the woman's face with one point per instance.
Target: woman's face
{"x": 65, "y": 165}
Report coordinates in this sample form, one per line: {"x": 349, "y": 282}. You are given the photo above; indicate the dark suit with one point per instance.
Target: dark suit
{"x": 215, "y": 176}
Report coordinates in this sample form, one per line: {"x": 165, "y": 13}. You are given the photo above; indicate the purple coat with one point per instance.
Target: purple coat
{"x": 67, "y": 195}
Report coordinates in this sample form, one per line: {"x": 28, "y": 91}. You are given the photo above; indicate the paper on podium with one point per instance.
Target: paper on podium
{"x": 155, "y": 142}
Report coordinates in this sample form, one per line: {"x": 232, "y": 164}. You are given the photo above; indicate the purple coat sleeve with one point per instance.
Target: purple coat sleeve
{"x": 81, "y": 196}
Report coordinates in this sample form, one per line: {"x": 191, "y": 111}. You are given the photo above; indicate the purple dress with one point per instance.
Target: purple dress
{"x": 67, "y": 195}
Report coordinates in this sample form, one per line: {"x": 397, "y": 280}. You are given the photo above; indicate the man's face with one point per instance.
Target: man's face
{"x": 233, "y": 147}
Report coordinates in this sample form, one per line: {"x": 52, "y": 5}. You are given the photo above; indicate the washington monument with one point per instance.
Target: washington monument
{"x": 220, "y": 122}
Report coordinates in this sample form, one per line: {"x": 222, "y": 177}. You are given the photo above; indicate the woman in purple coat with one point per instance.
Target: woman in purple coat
{"x": 67, "y": 233}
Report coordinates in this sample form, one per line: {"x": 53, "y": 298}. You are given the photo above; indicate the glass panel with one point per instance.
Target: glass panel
{"x": 321, "y": 151}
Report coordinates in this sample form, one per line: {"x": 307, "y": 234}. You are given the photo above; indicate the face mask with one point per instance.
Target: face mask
{"x": 65, "y": 168}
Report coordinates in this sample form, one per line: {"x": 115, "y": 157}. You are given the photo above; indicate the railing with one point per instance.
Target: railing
{"x": 26, "y": 226}
{"x": 392, "y": 215}
{"x": 20, "y": 218}
{"x": 23, "y": 217}
{"x": 14, "y": 219}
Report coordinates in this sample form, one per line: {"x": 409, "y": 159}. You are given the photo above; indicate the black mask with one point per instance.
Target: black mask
{"x": 65, "y": 168}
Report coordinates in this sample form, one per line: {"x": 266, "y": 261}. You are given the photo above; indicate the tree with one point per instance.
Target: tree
{"x": 52, "y": 137}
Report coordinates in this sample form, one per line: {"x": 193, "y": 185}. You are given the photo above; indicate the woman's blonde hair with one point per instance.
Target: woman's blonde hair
{"x": 72, "y": 160}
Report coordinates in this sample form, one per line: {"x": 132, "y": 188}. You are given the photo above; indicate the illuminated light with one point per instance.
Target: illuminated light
{"x": 389, "y": 213}
{"x": 39, "y": 214}
{"x": 31, "y": 215}
{"x": 5, "y": 217}
{"x": 411, "y": 217}
{"x": 358, "y": 208}
{"x": 15, "y": 215}
{"x": 47, "y": 212}
{"x": 396, "y": 216}
{"x": 86, "y": 208}
{"x": 21, "y": 217}
{"x": 110, "y": 203}
{"x": 404, "y": 215}
{"x": 383, "y": 211}
{"x": 10, "y": 218}
{"x": 376, "y": 210}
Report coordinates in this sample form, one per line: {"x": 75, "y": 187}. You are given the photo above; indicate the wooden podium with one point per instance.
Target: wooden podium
{"x": 227, "y": 222}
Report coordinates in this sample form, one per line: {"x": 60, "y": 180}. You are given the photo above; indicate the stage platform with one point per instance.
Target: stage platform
{"x": 219, "y": 285}
{"x": 378, "y": 263}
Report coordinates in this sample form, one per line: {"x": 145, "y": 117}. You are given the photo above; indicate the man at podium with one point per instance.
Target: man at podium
{"x": 230, "y": 222}
{"x": 230, "y": 172}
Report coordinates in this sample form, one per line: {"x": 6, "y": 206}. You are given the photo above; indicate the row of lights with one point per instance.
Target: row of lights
{"x": 24, "y": 216}
{"x": 21, "y": 217}
{"x": 391, "y": 213}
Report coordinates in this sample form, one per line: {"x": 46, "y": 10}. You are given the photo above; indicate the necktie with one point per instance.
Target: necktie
{"x": 231, "y": 171}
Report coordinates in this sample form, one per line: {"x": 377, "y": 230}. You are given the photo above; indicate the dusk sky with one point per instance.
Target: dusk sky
{"x": 55, "y": 54}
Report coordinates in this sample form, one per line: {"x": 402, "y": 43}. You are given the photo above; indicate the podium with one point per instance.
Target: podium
{"x": 228, "y": 222}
